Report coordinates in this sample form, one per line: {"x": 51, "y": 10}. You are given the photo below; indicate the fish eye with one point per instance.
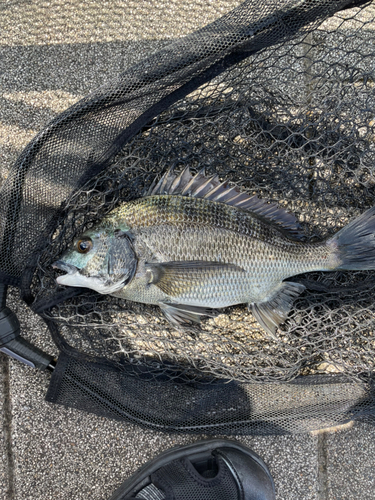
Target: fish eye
{"x": 84, "y": 246}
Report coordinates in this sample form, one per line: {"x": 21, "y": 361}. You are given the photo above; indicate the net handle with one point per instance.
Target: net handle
{"x": 15, "y": 346}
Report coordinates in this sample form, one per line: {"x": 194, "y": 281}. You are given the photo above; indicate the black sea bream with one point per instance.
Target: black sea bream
{"x": 193, "y": 245}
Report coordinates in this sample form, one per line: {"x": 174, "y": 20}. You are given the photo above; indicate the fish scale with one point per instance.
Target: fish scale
{"x": 179, "y": 228}
{"x": 194, "y": 244}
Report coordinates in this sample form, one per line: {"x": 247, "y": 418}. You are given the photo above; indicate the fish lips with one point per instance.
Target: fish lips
{"x": 70, "y": 270}
{"x": 63, "y": 266}
{"x": 74, "y": 278}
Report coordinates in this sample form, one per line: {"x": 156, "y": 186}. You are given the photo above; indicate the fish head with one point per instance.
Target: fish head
{"x": 102, "y": 259}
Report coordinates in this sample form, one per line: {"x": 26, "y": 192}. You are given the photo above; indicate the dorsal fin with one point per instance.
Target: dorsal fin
{"x": 210, "y": 188}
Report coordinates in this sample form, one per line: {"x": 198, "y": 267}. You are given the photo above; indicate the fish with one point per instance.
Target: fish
{"x": 193, "y": 245}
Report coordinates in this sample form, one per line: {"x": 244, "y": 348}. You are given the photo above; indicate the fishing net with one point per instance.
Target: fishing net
{"x": 276, "y": 97}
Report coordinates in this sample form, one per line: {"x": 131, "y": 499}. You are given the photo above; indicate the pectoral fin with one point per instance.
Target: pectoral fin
{"x": 180, "y": 315}
{"x": 175, "y": 278}
{"x": 272, "y": 313}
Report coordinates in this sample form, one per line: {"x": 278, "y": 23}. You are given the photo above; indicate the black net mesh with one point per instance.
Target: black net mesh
{"x": 164, "y": 401}
{"x": 277, "y": 97}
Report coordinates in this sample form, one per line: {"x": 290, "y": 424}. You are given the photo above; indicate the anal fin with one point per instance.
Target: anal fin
{"x": 181, "y": 315}
{"x": 272, "y": 313}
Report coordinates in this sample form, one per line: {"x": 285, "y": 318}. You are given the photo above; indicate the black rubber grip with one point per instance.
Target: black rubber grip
{"x": 9, "y": 326}
{"x": 12, "y": 344}
{"x": 29, "y": 354}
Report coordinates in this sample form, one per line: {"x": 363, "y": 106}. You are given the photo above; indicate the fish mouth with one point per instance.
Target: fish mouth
{"x": 63, "y": 266}
{"x": 74, "y": 278}
{"x": 72, "y": 272}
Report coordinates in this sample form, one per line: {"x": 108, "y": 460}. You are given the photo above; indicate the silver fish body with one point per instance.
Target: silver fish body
{"x": 193, "y": 245}
{"x": 201, "y": 231}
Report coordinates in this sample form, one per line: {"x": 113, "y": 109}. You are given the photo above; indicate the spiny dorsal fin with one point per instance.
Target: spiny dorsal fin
{"x": 210, "y": 188}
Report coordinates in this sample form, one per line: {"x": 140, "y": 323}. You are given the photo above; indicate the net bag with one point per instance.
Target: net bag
{"x": 276, "y": 97}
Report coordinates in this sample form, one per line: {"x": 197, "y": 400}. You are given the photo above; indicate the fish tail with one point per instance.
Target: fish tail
{"x": 354, "y": 245}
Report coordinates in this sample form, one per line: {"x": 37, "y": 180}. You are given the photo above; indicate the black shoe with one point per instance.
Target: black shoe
{"x": 217, "y": 469}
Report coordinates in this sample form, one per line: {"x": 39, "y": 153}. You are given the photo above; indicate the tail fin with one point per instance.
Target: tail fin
{"x": 355, "y": 243}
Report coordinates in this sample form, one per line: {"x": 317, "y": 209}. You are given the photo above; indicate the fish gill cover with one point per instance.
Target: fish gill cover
{"x": 274, "y": 97}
